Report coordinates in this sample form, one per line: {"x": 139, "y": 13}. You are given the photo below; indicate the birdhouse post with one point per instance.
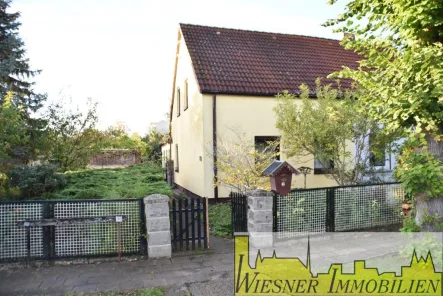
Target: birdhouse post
{"x": 280, "y": 173}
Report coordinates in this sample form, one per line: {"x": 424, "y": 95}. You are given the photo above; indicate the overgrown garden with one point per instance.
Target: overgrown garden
{"x": 45, "y": 148}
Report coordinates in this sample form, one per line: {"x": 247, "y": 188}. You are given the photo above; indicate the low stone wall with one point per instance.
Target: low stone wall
{"x": 115, "y": 158}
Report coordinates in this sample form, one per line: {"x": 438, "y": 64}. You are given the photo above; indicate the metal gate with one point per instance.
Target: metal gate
{"x": 189, "y": 223}
{"x": 239, "y": 212}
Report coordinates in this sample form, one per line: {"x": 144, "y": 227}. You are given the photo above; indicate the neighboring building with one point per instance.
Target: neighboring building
{"x": 108, "y": 158}
{"x": 165, "y": 154}
{"x": 226, "y": 77}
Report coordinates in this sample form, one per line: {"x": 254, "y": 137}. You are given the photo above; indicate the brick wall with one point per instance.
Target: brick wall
{"x": 115, "y": 157}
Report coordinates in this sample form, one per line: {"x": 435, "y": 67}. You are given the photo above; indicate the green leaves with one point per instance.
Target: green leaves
{"x": 36, "y": 180}
{"x": 329, "y": 127}
{"x": 14, "y": 138}
{"x": 15, "y": 72}
{"x": 421, "y": 171}
{"x": 72, "y": 136}
{"x": 220, "y": 219}
{"x": 402, "y": 59}
{"x": 401, "y": 77}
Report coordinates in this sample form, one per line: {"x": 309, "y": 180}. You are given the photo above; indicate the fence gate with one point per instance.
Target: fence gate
{"x": 239, "y": 212}
{"x": 341, "y": 208}
{"x": 189, "y": 225}
{"x": 70, "y": 240}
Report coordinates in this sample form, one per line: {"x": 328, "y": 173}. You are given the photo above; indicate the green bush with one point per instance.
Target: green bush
{"x": 409, "y": 225}
{"x": 36, "y": 180}
{"x": 220, "y": 219}
{"x": 135, "y": 181}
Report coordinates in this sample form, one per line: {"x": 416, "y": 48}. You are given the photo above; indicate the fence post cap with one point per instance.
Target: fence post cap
{"x": 258, "y": 192}
{"x": 155, "y": 198}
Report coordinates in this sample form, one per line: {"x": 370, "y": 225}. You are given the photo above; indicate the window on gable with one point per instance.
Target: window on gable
{"x": 186, "y": 95}
{"x": 178, "y": 101}
{"x": 378, "y": 153}
{"x": 322, "y": 166}
{"x": 264, "y": 143}
{"x": 176, "y": 158}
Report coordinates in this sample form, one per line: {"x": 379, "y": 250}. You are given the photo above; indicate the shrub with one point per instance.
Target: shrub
{"x": 220, "y": 219}
{"x": 135, "y": 181}
{"x": 409, "y": 225}
{"x": 36, "y": 180}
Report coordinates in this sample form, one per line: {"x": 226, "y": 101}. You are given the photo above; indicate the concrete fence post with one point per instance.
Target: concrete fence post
{"x": 260, "y": 218}
{"x": 158, "y": 226}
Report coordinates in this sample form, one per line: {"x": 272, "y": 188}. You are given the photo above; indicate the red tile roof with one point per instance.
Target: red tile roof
{"x": 258, "y": 63}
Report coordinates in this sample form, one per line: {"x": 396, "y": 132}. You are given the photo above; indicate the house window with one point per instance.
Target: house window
{"x": 164, "y": 158}
{"x": 321, "y": 166}
{"x": 186, "y": 95}
{"x": 176, "y": 158}
{"x": 378, "y": 153}
{"x": 262, "y": 144}
{"x": 178, "y": 101}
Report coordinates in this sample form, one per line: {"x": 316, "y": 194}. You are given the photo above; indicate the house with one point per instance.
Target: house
{"x": 227, "y": 77}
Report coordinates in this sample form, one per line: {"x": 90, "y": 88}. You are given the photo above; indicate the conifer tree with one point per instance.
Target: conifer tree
{"x": 17, "y": 86}
{"x": 15, "y": 72}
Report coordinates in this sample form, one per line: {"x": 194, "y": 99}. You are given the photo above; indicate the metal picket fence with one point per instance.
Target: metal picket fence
{"x": 341, "y": 208}
{"x": 70, "y": 240}
{"x": 189, "y": 224}
{"x": 239, "y": 212}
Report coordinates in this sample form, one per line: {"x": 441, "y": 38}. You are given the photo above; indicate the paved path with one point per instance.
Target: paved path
{"x": 176, "y": 274}
{"x": 197, "y": 274}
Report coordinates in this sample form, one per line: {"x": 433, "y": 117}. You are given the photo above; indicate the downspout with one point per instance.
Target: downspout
{"x": 214, "y": 143}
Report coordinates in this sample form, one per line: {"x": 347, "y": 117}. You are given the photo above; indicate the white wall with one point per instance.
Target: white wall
{"x": 187, "y": 129}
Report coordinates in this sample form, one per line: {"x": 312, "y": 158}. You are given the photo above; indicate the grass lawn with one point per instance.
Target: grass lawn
{"x": 131, "y": 182}
{"x": 141, "y": 292}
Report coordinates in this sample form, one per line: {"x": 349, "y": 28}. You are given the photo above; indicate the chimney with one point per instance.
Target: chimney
{"x": 349, "y": 36}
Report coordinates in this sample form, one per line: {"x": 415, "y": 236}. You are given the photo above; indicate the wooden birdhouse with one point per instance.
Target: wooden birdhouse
{"x": 280, "y": 173}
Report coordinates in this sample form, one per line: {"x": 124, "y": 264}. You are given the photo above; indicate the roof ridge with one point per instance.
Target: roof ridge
{"x": 257, "y": 31}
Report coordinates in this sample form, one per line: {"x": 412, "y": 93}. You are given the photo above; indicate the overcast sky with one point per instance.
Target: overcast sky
{"x": 121, "y": 53}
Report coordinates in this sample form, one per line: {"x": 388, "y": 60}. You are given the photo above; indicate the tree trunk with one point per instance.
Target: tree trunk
{"x": 428, "y": 208}
{"x": 425, "y": 206}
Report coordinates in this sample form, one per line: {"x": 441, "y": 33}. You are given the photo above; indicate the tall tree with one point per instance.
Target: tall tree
{"x": 332, "y": 130}
{"x": 401, "y": 73}
{"x": 73, "y": 137}
{"x": 15, "y": 75}
{"x": 118, "y": 137}
{"x": 154, "y": 140}
{"x": 15, "y": 71}
{"x": 14, "y": 140}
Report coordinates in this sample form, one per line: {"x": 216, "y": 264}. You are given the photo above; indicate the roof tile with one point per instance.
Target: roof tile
{"x": 250, "y": 62}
